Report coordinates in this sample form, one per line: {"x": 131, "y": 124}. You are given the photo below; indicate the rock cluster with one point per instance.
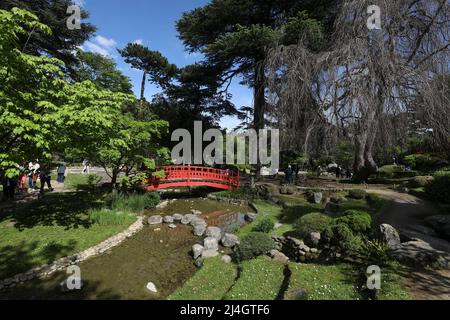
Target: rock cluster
{"x": 295, "y": 249}
{"x": 63, "y": 263}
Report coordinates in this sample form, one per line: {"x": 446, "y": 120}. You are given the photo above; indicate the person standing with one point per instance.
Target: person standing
{"x": 61, "y": 170}
{"x": 85, "y": 166}
{"x": 45, "y": 176}
{"x": 289, "y": 174}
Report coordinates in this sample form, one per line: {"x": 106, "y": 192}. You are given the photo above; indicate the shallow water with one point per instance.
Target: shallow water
{"x": 152, "y": 255}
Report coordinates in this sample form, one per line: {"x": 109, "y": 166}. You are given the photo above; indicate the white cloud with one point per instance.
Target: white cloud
{"x": 100, "y": 45}
{"x": 105, "y": 42}
{"x": 139, "y": 41}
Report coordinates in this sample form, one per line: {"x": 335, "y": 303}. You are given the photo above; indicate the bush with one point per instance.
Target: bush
{"x": 374, "y": 200}
{"x": 340, "y": 235}
{"x": 439, "y": 188}
{"x": 357, "y": 194}
{"x": 312, "y": 222}
{"x": 425, "y": 161}
{"x": 254, "y": 244}
{"x": 266, "y": 225}
{"x": 419, "y": 181}
{"x": 106, "y": 217}
{"x": 357, "y": 221}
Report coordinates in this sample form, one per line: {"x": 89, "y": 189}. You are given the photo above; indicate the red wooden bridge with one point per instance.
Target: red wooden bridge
{"x": 192, "y": 176}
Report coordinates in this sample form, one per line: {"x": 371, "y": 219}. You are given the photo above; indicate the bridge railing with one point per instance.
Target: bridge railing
{"x": 196, "y": 173}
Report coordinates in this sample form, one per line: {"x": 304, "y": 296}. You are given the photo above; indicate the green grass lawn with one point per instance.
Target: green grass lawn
{"x": 44, "y": 230}
{"x": 323, "y": 282}
{"x": 260, "y": 279}
{"x": 209, "y": 283}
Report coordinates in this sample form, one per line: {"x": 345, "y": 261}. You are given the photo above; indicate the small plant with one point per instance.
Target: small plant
{"x": 375, "y": 252}
{"x": 439, "y": 188}
{"x": 341, "y": 236}
{"x": 135, "y": 202}
{"x": 357, "y": 194}
{"x": 266, "y": 226}
{"x": 253, "y": 245}
{"x": 312, "y": 222}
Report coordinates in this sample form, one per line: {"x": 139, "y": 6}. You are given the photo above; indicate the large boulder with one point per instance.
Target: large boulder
{"x": 197, "y": 250}
{"x": 153, "y": 220}
{"x": 198, "y": 221}
{"x": 211, "y": 244}
{"x": 214, "y": 232}
{"x": 229, "y": 240}
{"x": 389, "y": 235}
{"x": 420, "y": 253}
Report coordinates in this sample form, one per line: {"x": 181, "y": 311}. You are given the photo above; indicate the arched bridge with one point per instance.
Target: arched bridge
{"x": 192, "y": 176}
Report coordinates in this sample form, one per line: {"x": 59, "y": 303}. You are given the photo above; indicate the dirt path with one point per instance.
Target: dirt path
{"x": 407, "y": 213}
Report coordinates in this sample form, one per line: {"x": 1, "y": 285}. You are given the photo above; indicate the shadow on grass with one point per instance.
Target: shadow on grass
{"x": 61, "y": 209}
{"x": 22, "y": 257}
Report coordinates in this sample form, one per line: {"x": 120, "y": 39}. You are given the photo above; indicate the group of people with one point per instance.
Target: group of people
{"x": 27, "y": 179}
{"x": 342, "y": 173}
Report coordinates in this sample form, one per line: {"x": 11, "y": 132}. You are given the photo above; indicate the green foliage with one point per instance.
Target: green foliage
{"x": 357, "y": 194}
{"x": 439, "y": 188}
{"x": 393, "y": 171}
{"x": 106, "y": 217}
{"x": 254, "y": 244}
{"x": 312, "y": 222}
{"x": 419, "y": 181}
{"x": 134, "y": 202}
{"x": 341, "y": 236}
{"x": 425, "y": 162}
{"x": 375, "y": 252}
{"x": 239, "y": 194}
{"x": 266, "y": 226}
{"x": 358, "y": 221}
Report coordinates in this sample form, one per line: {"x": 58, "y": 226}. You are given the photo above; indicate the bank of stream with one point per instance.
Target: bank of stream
{"x": 156, "y": 254}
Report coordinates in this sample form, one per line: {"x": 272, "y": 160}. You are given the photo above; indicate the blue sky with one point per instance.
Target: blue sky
{"x": 152, "y": 23}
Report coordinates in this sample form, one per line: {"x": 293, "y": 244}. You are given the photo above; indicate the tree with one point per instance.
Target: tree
{"x": 151, "y": 63}
{"x": 234, "y": 36}
{"x": 367, "y": 81}
{"x": 61, "y": 43}
{"x": 102, "y": 71}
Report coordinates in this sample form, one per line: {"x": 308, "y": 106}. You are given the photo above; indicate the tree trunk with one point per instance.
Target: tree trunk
{"x": 259, "y": 104}
{"x": 142, "y": 99}
{"x": 114, "y": 178}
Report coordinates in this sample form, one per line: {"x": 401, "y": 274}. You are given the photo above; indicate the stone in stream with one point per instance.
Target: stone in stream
{"x": 168, "y": 219}
{"x": 187, "y": 219}
{"x": 197, "y": 250}
{"x": 250, "y": 217}
{"x": 199, "y": 230}
{"x": 214, "y": 232}
{"x": 155, "y": 220}
{"x": 211, "y": 244}
{"x": 177, "y": 217}
{"x": 229, "y": 240}
{"x": 151, "y": 287}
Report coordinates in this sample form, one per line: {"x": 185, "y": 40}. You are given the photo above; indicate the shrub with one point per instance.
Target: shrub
{"x": 425, "y": 161}
{"x": 357, "y": 221}
{"x": 357, "y": 194}
{"x": 254, "y": 244}
{"x": 266, "y": 225}
{"x": 439, "y": 188}
{"x": 312, "y": 222}
{"x": 106, "y": 217}
{"x": 343, "y": 237}
{"x": 374, "y": 200}
{"x": 419, "y": 181}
